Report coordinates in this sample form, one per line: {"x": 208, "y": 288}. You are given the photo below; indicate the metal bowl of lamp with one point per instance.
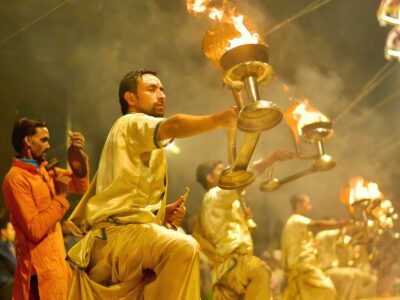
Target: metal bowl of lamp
{"x": 270, "y": 185}
{"x": 317, "y": 131}
{"x": 231, "y": 180}
{"x": 323, "y": 163}
{"x": 259, "y": 116}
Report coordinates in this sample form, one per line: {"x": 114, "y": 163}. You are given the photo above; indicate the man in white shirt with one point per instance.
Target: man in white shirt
{"x": 126, "y": 252}
{"x": 306, "y": 280}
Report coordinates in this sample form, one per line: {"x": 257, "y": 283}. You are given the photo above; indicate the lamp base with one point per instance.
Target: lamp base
{"x": 259, "y": 116}
{"x": 232, "y": 180}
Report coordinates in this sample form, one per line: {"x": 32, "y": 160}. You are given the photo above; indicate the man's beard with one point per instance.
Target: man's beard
{"x": 153, "y": 113}
{"x": 41, "y": 158}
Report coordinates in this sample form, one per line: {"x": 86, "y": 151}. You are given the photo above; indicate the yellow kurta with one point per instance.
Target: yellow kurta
{"x": 306, "y": 281}
{"x": 120, "y": 218}
{"x": 223, "y": 231}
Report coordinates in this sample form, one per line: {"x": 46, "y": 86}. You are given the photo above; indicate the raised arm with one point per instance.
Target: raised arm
{"x": 180, "y": 125}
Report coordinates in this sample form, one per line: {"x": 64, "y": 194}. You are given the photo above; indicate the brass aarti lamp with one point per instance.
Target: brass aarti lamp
{"x": 310, "y": 126}
{"x": 245, "y": 65}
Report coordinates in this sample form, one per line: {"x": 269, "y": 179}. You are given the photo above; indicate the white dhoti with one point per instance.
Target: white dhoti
{"x": 115, "y": 267}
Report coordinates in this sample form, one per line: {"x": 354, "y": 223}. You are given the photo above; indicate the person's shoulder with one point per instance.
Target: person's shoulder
{"x": 140, "y": 117}
{"x": 297, "y": 219}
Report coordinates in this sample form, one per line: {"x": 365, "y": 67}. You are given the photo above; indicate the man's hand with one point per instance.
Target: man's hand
{"x": 62, "y": 180}
{"x": 175, "y": 212}
{"x": 260, "y": 165}
{"x": 76, "y": 139}
{"x": 279, "y": 155}
{"x": 228, "y": 118}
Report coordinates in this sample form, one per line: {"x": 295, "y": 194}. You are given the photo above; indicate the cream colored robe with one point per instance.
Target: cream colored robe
{"x": 223, "y": 234}
{"x": 121, "y": 219}
{"x": 306, "y": 280}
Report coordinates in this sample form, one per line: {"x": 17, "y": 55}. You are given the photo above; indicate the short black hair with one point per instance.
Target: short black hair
{"x": 296, "y": 199}
{"x": 22, "y": 128}
{"x": 204, "y": 169}
{"x": 129, "y": 84}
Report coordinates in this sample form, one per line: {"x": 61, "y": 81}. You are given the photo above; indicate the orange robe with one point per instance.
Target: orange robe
{"x": 36, "y": 211}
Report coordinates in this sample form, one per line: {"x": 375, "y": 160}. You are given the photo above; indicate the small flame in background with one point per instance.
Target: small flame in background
{"x": 362, "y": 189}
{"x": 389, "y": 13}
{"x": 226, "y": 14}
{"x": 304, "y": 114}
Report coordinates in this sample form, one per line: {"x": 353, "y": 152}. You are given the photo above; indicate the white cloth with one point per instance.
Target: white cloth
{"x": 121, "y": 217}
{"x": 130, "y": 185}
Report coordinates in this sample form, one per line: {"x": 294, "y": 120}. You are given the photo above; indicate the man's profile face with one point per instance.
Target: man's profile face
{"x": 215, "y": 175}
{"x": 39, "y": 144}
{"x": 150, "y": 96}
{"x": 305, "y": 206}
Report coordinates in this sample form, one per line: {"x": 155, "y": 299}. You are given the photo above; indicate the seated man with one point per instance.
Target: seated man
{"x": 126, "y": 252}
{"x": 223, "y": 234}
{"x": 306, "y": 280}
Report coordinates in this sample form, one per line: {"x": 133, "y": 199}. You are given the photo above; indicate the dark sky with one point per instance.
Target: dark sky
{"x": 66, "y": 68}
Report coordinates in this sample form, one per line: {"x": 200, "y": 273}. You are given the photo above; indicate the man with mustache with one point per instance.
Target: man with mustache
{"x": 37, "y": 202}
{"x": 126, "y": 252}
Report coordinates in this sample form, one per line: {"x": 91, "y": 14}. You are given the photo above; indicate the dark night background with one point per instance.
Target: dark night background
{"x": 65, "y": 69}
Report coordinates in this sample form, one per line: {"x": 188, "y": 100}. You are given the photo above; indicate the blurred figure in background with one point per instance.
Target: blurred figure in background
{"x": 224, "y": 235}
{"x": 306, "y": 280}
{"x": 7, "y": 258}
{"x": 278, "y": 279}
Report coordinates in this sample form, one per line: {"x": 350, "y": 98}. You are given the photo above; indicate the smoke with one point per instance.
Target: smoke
{"x": 73, "y": 60}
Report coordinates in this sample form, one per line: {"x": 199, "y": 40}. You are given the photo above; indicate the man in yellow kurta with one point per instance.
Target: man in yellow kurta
{"x": 223, "y": 234}
{"x": 306, "y": 280}
{"x": 126, "y": 252}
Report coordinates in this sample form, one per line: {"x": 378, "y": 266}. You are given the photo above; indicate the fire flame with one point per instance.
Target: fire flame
{"x": 361, "y": 189}
{"x": 303, "y": 113}
{"x": 227, "y": 15}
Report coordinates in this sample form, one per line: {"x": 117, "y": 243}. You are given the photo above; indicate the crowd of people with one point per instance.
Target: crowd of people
{"x": 122, "y": 240}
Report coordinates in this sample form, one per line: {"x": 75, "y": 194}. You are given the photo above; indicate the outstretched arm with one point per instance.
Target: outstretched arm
{"x": 259, "y": 166}
{"x": 180, "y": 126}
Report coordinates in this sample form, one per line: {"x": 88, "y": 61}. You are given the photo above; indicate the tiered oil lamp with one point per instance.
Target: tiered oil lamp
{"x": 244, "y": 60}
{"x": 310, "y": 126}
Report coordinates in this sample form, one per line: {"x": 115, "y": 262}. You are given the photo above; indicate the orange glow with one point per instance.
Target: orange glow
{"x": 361, "y": 189}
{"x": 197, "y": 6}
{"x": 301, "y": 114}
{"x": 245, "y": 37}
{"x": 227, "y": 15}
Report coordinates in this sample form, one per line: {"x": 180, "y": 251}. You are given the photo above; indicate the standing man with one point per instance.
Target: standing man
{"x": 306, "y": 280}
{"x": 126, "y": 251}
{"x": 224, "y": 235}
{"x": 37, "y": 202}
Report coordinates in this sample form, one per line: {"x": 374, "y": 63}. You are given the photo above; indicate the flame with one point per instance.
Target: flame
{"x": 361, "y": 189}
{"x": 303, "y": 113}
{"x": 389, "y": 12}
{"x": 197, "y": 6}
{"x": 228, "y": 15}
{"x": 246, "y": 37}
